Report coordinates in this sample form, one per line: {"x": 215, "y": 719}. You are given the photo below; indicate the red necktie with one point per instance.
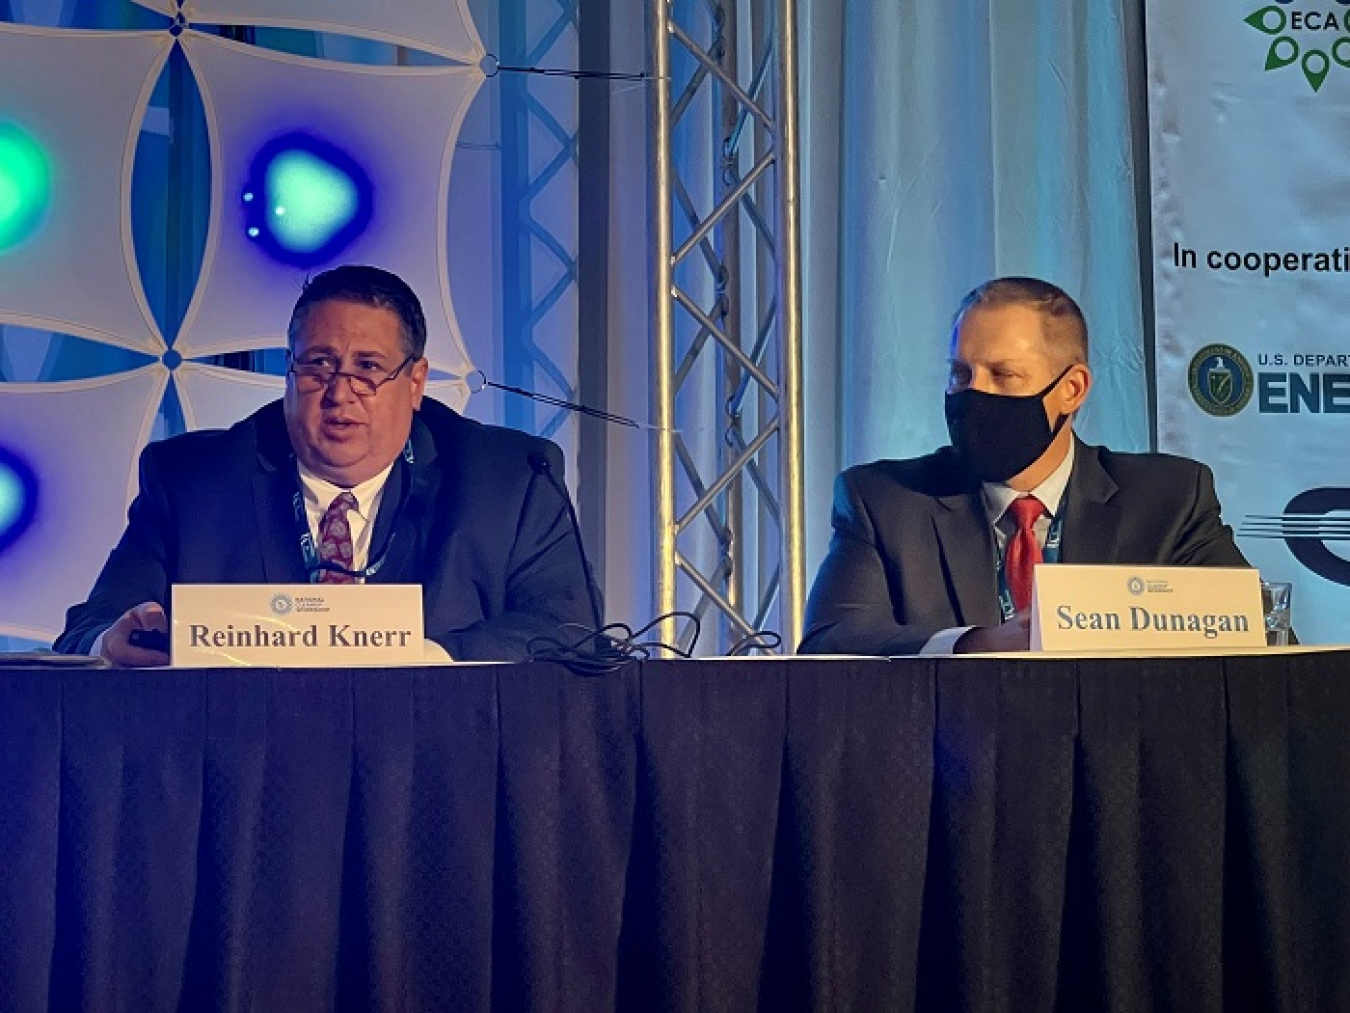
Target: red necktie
{"x": 1023, "y": 552}
{"x": 335, "y": 539}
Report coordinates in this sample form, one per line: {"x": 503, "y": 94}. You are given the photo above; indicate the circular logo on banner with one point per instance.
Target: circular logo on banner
{"x": 1135, "y": 585}
{"x": 1221, "y": 380}
{"x": 282, "y": 604}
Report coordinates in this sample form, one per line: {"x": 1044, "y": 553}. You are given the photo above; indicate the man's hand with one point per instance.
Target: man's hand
{"x": 114, "y": 643}
{"x": 1013, "y": 635}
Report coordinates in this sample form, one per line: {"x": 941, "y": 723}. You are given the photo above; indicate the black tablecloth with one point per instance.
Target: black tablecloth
{"x": 946, "y": 834}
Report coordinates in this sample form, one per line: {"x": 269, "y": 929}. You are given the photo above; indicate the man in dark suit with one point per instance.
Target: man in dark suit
{"x": 352, "y": 476}
{"x": 934, "y": 554}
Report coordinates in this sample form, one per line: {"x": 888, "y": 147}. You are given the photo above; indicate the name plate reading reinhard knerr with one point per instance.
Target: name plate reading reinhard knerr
{"x": 296, "y": 625}
{"x": 1121, "y": 608}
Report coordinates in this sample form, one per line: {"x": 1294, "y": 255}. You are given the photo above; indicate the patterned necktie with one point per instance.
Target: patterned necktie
{"x": 1023, "y": 551}
{"x": 335, "y": 539}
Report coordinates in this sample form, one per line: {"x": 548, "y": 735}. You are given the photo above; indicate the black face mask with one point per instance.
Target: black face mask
{"x": 997, "y": 436}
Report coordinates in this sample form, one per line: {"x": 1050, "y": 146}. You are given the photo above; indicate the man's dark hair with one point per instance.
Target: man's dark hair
{"x": 1051, "y": 301}
{"x": 369, "y": 286}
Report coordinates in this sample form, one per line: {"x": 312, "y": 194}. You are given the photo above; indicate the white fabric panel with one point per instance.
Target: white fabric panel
{"x": 455, "y": 393}
{"x": 82, "y": 438}
{"x": 217, "y": 398}
{"x": 436, "y": 26}
{"x": 1249, "y": 162}
{"x": 400, "y": 124}
{"x": 473, "y": 245}
{"x": 80, "y": 96}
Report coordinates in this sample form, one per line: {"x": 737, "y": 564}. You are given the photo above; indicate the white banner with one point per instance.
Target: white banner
{"x": 1249, "y": 114}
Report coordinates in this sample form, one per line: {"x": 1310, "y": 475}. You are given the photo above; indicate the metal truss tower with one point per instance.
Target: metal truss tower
{"x": 727, "y": 320}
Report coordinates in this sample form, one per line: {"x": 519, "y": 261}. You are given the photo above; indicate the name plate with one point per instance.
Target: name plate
{"x": 296, "y": 625}
{"x": 1120, "y": 608}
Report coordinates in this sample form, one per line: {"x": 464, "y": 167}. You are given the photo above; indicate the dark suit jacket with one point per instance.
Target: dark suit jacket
{"x": 913, "y": 553}
{"x": 472, "y": 520}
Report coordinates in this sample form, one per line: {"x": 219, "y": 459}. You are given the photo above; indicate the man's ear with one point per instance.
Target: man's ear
{"x": 420, "y": 369}
{"x": 1077, "y": 383}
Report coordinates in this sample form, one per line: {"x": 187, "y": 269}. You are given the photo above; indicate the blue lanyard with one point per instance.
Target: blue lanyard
{"x": 1049, "y": 554}
{"x": 307, "y": 550}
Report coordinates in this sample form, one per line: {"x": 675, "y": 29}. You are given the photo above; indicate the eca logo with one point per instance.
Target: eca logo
{"x": 1313, "y": 40}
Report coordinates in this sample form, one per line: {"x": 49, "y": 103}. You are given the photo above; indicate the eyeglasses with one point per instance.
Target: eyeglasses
{"x": 317, "y": 374}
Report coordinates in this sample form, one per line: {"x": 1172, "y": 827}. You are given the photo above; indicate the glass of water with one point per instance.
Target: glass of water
{"x": 1275, "y": 596}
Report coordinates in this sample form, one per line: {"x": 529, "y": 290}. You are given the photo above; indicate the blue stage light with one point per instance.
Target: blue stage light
{"x": 305, "y": 200}
{"x": 18, "y": 497}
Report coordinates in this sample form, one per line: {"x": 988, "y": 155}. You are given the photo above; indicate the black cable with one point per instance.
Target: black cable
{"x": 760, "y": 640}
{"x": 610, "y": 648}
{"x": 541, "y": 467}
{"x": 549, "y": 399}
{"x": 576, "y": 75}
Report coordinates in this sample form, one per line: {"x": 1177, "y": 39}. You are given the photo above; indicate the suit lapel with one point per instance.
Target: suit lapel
{"x": 1091, "y": 510}
{"x": 967, "y": 547}
{"x": 274, "y": 487}
{"x": 404, "y": 508}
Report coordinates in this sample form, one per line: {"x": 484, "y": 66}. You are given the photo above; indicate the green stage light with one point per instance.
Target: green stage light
{"x": 25, "y": 186}
{"x": 309, "y": 200}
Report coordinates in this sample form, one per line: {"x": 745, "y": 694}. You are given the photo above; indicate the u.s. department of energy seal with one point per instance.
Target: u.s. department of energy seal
{"x": 1221, "y": 380}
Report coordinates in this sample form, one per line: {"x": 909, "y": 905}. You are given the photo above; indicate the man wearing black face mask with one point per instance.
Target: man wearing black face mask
{"x": 934, "y": 554}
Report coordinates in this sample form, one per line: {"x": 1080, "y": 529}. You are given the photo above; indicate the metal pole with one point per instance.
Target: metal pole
{"x": 791, "y": 460}
{"x": 728, "y": 171}
{"x": 663, "y": 338}
{"x": 756, "y": 572}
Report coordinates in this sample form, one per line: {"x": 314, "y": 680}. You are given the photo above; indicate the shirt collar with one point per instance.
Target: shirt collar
{"x": 320, "y": 492}
{"x": 998, "y": 496}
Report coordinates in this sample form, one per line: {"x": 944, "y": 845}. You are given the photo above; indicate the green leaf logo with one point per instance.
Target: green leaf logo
{"x": 1283, "y": 51}
{"x": 1282, "y": 27}
{"x": 1315, "y": 67}
{"x": 1270, "y": 20}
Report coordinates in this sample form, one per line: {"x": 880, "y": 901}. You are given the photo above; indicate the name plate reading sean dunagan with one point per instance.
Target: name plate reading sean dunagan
{"x": 1120, "y": 608}
{"x": 296, "y": 625}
